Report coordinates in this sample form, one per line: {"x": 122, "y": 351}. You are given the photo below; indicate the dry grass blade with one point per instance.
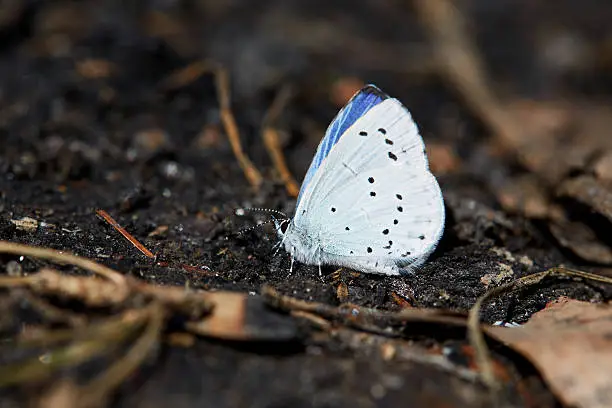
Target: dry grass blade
{"x": 271, "y": 140}
{"x": 477, "y": 337}
{"x": 62, "y": 257}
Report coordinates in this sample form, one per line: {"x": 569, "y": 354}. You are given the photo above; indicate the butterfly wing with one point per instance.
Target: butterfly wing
{"x": 360, "y": 103}
{"x": 374, "y": 196}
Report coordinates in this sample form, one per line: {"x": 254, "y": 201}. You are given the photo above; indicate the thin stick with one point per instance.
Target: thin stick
{"x": 365, "y": 316}
{"x": 271, "y": 140}
{"x": 188, "y": 74}
{"x": 106, "y": 216}
{"x": 68, "y": 259}
{"x": 229, "y": 123}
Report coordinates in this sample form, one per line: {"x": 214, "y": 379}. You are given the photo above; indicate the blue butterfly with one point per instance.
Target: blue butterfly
{"x": 368, "y": 201}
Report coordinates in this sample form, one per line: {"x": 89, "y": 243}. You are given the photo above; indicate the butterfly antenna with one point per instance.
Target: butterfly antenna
{"x": 242, "y": 231}
{"x": 243, "y": 211}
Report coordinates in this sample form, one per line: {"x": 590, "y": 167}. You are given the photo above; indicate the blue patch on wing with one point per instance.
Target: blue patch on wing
{"x": 363, "y": 101}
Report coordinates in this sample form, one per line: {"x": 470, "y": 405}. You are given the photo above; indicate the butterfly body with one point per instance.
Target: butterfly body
{"x": 368, "y": 201}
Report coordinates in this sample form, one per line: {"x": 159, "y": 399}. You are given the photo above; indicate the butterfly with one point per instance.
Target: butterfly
{"x": 368, "y": 201}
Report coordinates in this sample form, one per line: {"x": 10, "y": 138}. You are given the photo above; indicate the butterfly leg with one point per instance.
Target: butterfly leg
{"x": 320, "y": 273}
{"x": 280, "y": 245}
{"x": 291, "y": 266}
{"x": 276, "y": 248}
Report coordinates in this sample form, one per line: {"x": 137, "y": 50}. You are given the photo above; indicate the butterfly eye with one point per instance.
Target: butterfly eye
{"x": 284, "y": 225}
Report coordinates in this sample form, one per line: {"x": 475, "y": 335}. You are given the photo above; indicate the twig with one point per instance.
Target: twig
{"x": 362, "y": 317}
{"x": 61, "y": 257}
{"x": 106, "y": 217}
{"x": 475, "y": 333}
{"x": 229, "y": 123}
{"x": 271, "y": 140}
{"x": 188, "y": 74}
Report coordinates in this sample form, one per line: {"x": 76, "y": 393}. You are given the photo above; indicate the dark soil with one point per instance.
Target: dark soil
{"x": 73, "y": 141}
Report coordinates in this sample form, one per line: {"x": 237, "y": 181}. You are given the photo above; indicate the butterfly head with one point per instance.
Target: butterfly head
{"x": 282, "y": 226}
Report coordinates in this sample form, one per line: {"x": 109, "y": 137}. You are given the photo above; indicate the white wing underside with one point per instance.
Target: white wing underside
{"x": 374, "y": 200}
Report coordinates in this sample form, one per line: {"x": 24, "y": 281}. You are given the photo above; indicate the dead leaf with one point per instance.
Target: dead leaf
{"x": 570, "y": 342}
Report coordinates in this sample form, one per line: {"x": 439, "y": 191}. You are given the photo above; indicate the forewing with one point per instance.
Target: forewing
{"x": 360, "y": 104}
{"x": 374, "y": 196}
